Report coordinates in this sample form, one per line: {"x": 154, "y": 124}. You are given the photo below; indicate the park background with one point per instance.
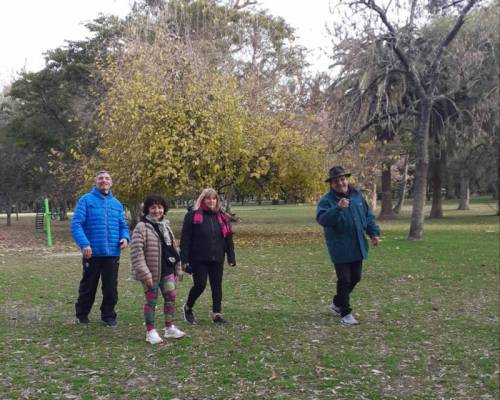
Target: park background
{"x": 183, "y": 94}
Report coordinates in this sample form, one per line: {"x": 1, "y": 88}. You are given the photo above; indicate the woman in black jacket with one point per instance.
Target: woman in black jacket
{"x": 205, "y": 239}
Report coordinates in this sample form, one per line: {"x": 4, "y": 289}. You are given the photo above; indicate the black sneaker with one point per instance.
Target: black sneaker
{"x": 82, "y": 320}
{"x": 111, "y": 322}
{"x": 334, "y": 309}
{"x": 218, "y": 320}
{"x": 188, "y": 314}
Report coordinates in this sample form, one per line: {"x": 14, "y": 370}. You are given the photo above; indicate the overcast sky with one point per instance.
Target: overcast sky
{"x": 28, "y": 28}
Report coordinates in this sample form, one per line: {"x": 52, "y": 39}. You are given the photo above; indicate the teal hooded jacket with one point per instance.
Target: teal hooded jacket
{"x": 345, "y": 228}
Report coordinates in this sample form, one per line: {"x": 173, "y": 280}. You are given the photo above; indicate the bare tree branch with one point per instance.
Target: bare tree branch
{"x": 452, "y": 4}
{"x": 392, "y": 39}
{"x": 375, "y": 120}
{"x": 448, "y": 39}
{"x": 235, "y": 4}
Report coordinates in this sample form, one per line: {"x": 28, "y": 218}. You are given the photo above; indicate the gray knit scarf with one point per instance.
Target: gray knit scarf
{"x": 165, "y": 229}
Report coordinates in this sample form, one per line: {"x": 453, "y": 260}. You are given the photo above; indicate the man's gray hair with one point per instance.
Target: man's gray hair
{"x": 101, "y": 171}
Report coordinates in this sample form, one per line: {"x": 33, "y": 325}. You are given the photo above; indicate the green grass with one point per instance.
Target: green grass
{"x": 429, "y": 314}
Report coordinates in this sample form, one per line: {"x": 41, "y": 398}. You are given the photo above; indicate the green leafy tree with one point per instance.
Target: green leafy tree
{"x": 422, "y": 67}
{"x": 55, "y": 111}
{"x": 171, "y": 123}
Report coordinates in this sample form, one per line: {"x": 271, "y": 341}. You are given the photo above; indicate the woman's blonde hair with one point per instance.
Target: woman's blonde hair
{"x": 206, "y": 193}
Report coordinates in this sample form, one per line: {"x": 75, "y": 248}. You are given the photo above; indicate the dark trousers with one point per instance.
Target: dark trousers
{"x": 202, "y": 270}
{"x": 94, "y": 268}
{"x": 348, "y": 275}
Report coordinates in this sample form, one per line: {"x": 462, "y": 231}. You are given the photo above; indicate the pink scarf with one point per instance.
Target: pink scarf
{"x": 222, "y": 220}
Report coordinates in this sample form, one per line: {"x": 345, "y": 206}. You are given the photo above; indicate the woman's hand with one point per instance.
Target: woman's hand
{"x": 179, "y": 272}
{"x": 148, "y": 282}
{"x": 187, "y": 268}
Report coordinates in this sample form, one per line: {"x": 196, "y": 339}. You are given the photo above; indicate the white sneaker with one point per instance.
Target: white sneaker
{"x": 174, "y": 332}
{"x": 334, "y": 309}
{"x": 349, "y": 320}
{"x": 153, "y": 337}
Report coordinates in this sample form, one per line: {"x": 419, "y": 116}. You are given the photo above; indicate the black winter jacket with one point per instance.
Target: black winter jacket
{"x": 204, "y": 242}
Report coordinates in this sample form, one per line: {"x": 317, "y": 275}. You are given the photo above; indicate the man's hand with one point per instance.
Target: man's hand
{"x": 343, "y": 203}
{"x": 375, "y": 241}
{"x": 123, "y": 243}
{"x": 87, "y": 252}
{"x": 148, "y": 282}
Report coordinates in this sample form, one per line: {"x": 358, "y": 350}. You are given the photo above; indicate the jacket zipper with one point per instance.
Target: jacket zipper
{"x": 106, "y": 224}
{"x": 160, "y": 260}
{"x": 212, "y": 234}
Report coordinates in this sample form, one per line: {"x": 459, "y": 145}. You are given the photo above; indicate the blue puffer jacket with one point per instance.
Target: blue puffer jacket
{"x": 345, "y": 227}
{"x": 99, "y": 222}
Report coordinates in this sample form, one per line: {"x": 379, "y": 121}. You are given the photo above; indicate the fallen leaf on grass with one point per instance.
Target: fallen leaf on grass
{"x": 320, "y": 368}
{"x": 274, "y": 376}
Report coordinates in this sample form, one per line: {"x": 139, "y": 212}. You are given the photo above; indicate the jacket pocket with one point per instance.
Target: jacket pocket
{"x": 115, "y": 211}
{"x": 339, "y": 248}
{"x": 360, "y": 211}
{"x": 94, "y": 211}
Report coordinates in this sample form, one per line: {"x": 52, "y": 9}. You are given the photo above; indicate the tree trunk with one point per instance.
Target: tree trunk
{"x": 372, "y": 196}
{"x": 402, "y": 188}
{"x": 135, "y": 213}
{"x": 386, "y": 204}
{"x": 228, "y": 201}
{"x": 438, "y": 167}
{"x": 421, "y": 166}
{"x": 464, "y": 192}
{"x": 64, "y": 211}
{"x": 8, "y": 209}
{"x": 450, "y": 186}
{"x": 498, "y": 162}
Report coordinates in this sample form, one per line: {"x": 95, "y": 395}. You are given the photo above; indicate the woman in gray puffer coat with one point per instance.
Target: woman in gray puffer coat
{"x": 156, "y": 263}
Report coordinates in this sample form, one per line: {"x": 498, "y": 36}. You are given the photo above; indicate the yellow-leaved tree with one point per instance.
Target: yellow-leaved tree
{"x": 171, "y": 124}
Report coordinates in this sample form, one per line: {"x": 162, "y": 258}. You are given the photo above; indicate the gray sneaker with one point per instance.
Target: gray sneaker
{"x": 349, "y": 320}
{"x": 334, "y": 309}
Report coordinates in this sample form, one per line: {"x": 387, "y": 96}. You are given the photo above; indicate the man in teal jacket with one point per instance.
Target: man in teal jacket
{"x": 346, "y": 217}
{"x": 100, "y": 231}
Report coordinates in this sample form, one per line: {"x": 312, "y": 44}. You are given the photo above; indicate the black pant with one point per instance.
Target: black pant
{"x": 214, "y": 271}
{"x": 107, "y": 269}
{"x": 348, "y": 275}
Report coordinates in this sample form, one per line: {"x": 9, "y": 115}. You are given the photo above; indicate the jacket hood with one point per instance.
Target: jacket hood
{"x": 97, "y": 192}
{"x": 350, "y": 191}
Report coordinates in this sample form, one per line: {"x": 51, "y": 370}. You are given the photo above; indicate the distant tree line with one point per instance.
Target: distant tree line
{"x": 184, "y": 94}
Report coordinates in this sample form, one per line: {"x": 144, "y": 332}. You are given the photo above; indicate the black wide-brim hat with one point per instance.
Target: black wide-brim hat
{"x": 337, "y": 171}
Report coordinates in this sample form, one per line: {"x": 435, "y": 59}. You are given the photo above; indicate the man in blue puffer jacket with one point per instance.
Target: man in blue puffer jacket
{"x": 100, "y": 230}
{"x": 346, "y": 217}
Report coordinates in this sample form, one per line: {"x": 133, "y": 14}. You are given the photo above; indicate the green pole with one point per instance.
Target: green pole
{"x": 47, "y": 221}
